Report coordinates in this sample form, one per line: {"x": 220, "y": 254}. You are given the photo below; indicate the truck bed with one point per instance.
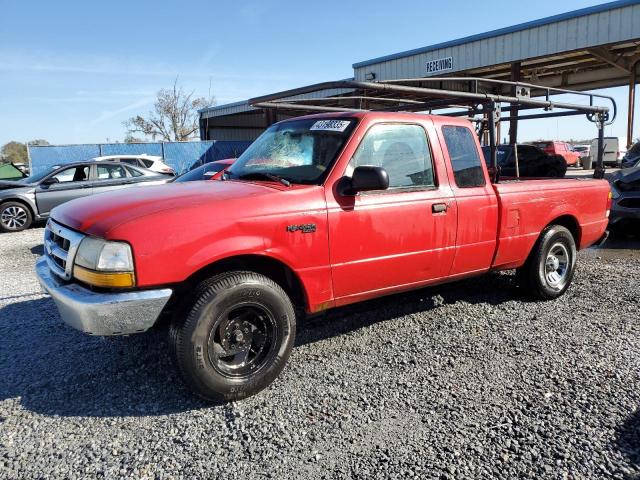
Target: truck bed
{"x": 526, "y": 207}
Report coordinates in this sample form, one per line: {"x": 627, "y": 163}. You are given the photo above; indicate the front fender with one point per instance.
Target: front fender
{"x": 28, "y": 198}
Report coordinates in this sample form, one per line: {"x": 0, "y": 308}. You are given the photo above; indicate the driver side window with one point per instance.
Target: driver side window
{"x": 402, "y": 150}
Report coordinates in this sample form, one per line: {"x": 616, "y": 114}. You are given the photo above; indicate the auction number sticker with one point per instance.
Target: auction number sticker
{"x": 331, "y": 125}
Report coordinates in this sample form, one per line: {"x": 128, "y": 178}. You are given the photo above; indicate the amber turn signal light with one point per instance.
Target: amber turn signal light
{"x": 104, "y": 279}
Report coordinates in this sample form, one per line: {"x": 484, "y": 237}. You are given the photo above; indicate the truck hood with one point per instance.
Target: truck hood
{"x": 626, "y": 176}
{"x": 98, "y": 214}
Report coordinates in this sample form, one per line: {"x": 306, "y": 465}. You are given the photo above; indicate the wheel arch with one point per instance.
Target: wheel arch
{"x": 21, "y": 201}
{"x": 570, "y": 223}
{"x": 270, "y": 267}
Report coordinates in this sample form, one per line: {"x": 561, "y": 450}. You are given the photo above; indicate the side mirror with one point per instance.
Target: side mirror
{"x": 50, "y": 181}
{"x": 365, "y": 178}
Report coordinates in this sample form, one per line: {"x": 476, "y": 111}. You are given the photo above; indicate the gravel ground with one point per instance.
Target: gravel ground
{"x": 468, "y": 380}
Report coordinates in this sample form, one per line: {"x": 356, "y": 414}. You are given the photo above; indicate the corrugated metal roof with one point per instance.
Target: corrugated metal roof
{"x": 502, "y": 31}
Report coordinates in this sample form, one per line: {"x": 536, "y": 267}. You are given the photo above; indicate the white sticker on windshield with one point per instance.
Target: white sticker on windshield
{"x": 331, "y": 125}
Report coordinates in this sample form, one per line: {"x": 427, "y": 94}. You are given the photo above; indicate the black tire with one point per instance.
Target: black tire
{"x": 14, "y": 217}
{"x": 234, "y": 312}
{"x": 549, "y": 269}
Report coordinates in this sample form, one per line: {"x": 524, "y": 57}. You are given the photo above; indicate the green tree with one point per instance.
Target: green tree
{"x": 14, "y": 152}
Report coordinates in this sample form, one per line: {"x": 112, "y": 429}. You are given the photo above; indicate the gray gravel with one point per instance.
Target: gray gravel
{"x": 464, "y": 381}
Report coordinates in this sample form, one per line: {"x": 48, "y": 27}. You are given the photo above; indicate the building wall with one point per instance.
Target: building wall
{"x": 235, "y": 134}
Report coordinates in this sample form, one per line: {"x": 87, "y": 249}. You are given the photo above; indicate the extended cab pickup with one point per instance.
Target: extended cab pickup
{"x": 320, "y": 211}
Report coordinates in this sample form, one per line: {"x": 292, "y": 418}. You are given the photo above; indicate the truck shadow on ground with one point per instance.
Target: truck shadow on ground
{"x": 627, "y": 439}
{"x": 55, "y": 370}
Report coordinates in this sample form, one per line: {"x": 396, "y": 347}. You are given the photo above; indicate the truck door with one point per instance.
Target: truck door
{"x": 388, "y": 240}
{"x": 476, "y": 200}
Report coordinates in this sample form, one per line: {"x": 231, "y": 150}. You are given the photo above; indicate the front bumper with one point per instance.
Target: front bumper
{"x": 99, "y": 313}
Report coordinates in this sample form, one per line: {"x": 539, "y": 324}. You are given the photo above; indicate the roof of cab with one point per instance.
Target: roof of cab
{"x": 386, "y": 116}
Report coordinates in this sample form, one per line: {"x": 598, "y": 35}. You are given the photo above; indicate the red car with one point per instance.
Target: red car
{"x": 562, "y": 149}
{"x": 320, "y": 211}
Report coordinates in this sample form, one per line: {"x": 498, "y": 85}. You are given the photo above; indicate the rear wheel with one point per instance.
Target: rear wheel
{"x": 549, "y": 270}
{"x": 237, "y": 336}
{"x": 14, "y": 217}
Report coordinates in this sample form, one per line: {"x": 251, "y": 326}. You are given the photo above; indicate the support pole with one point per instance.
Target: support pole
{"x": 632, "y": 103}
{"x": 599, "y": 170}
{"x": 492, "y": 142}
{"x": 485, "y": 132}
{"x": 513, "y": 123}
{"x": 269, "y": 117}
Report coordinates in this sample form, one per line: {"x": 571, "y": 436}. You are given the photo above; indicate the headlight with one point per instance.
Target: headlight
{"x": 104, "y": 264}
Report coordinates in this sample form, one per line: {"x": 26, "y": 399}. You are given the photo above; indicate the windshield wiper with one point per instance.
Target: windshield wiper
{"x": 269, "y": 176}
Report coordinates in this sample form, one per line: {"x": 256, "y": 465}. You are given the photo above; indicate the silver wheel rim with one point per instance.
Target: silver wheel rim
{"x": 14, "y": 217}
{"x": 556, "y": 266}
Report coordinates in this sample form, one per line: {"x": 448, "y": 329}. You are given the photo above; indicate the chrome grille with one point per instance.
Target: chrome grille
{"x": 60, "y": 246}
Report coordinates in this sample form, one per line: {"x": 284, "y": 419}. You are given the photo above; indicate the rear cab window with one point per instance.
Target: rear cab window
{"x": 464, "y": 156}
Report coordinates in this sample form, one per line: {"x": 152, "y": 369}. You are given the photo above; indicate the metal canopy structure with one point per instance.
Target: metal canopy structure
{"x": 591, "y": 48}
{"x": 478, "y": 99}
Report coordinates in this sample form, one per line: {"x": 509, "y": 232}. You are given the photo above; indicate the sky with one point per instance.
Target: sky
{"x": 73, "y": 71}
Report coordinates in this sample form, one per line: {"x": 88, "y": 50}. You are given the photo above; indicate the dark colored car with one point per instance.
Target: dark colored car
{"x": 533, "y": 162}
{"x": 625, "y": 190}
{"x": 32, "y": 198}
{"x": 632, "y": 157}
{"x": 208, "y": 171}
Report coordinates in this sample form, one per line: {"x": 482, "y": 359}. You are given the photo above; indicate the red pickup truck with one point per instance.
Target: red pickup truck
{"x": 321, "y": 211}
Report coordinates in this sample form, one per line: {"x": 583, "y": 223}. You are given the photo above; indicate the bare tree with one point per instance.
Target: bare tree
{"x": 173, "y": 118}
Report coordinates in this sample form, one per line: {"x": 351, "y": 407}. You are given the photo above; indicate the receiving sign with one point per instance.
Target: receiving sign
{"x": 439, "y": 65}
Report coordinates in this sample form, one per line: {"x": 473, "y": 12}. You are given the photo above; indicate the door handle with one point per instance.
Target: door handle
{"x": 439, "y": 207}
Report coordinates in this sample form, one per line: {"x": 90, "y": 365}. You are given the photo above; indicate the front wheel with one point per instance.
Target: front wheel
{"x": 549, "y": 269}
{"x": 14, "y": 217}
{"x": 237, "y": 336}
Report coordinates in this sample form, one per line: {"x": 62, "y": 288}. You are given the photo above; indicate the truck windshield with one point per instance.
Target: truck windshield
{"x": 297, "y": 151}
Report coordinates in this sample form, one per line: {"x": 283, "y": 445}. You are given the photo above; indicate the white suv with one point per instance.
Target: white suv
{"x": 150, "y": 162}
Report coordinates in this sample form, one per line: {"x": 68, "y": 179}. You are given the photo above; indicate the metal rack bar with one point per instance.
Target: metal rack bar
{"x": 477, "y": 102}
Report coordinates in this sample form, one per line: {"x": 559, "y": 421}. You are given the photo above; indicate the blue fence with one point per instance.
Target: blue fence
{"x": 182, "y": 156}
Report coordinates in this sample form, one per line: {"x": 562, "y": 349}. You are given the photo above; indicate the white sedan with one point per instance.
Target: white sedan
{"x": 150, "y": 162}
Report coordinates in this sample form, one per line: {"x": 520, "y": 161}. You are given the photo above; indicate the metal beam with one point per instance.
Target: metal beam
{"x": 305, "y": 108}
{"x": 540, "y": 115}
{"x": 350, "y": 97}
{"x": 608, "y": 57}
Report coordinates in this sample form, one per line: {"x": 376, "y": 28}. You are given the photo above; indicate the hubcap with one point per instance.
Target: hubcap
{"x": 557, "y": 265}
{"x": 13, "y": 217}
{"x": 242, "y": 340}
